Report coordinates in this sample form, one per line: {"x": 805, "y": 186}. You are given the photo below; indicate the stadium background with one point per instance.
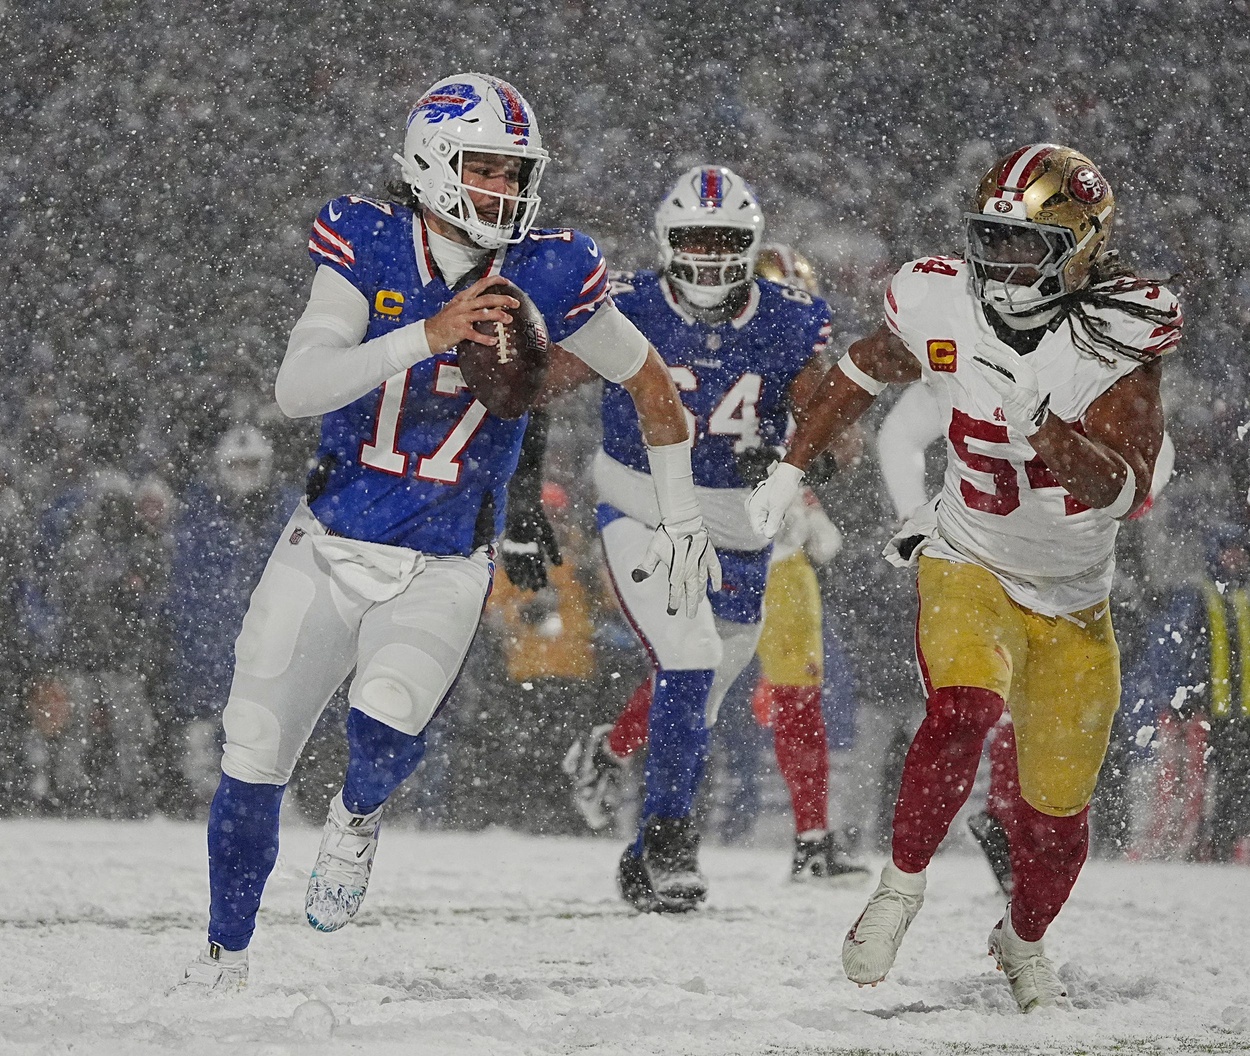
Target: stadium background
{"x": 159, "y": 170}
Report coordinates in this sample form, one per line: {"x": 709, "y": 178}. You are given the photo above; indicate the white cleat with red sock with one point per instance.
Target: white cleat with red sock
{"x": 871, "y": 945}
{"x": 1034, "y": 981}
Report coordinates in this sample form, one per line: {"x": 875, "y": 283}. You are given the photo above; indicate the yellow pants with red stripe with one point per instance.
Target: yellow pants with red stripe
{"x": 791, "y": 649}
{"x": 1059, "y": 676}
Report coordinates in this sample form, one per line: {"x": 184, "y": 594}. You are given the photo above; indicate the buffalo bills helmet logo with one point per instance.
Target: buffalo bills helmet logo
{"x": 516, "y": 118}
{"x": 1087, "y": 185}
{"x": 445, "y": 102}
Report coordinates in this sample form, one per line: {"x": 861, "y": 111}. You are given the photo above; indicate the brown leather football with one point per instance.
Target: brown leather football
{"x": 507, "y": 378}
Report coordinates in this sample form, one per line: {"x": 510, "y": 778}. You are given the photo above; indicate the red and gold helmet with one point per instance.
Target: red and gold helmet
{"x": 1043, "y": 218}
{"x": 779, "y": 263}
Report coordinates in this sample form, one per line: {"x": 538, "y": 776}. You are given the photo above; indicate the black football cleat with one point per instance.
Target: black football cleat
{"x": 665, "y": 878}
{"x": 992, "y": 837}
{"x": 823, "y": 860}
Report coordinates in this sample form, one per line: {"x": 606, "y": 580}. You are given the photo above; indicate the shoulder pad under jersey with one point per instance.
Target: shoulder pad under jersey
{"x": 918, "y": 282}
{"x": 343, "y": 229}
{"x": 574, "y": 277}
{"x": 1151, "y": 337}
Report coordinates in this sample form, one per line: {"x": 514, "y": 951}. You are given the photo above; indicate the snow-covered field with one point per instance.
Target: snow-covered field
{"x": 500, "y": 943}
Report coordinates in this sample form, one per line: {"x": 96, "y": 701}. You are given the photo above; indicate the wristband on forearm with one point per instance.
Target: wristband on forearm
{"x": 674, "y": 482}
{"x": 1123, "y": 503}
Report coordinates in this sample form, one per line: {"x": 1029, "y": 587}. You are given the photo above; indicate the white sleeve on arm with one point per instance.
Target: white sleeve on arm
{"x": 326, "y": 365}
{"x": 609, "y": 344}
{"x": 911, "y": 426}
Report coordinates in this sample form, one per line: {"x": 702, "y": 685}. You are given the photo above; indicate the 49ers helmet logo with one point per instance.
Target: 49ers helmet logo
{"x": 1087, "y": 185}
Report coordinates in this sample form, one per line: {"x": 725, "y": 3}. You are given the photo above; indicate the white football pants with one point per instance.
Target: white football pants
{"x": 675, "y": 643}
{"x": 326, "y": 605}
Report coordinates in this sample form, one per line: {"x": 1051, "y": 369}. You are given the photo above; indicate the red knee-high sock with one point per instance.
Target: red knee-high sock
{"x": 1046, "y": 858}
{"x": 803, "y": 753}
{"x": 939, "y": 771}
{"x": 630, "y": 732}
{"x": 1004, "y": 791}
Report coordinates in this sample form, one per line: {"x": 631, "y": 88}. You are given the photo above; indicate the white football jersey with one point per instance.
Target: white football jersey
{"x": 1001, "y": 506}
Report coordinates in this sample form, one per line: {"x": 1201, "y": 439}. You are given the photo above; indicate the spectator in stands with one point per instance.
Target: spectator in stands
{"x": 231, "y": 518}
{"x": 1195, "y": 675}
{"x": 92, "y": 709}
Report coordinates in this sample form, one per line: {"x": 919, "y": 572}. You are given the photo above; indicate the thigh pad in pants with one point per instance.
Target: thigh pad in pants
{"x": 297, "y": 644}
{"x": 413, "y": 647}
{"x": 1060, "y": 676}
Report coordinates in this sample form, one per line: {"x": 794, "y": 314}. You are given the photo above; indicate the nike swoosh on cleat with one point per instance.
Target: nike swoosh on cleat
{"x": 361, "y": 853}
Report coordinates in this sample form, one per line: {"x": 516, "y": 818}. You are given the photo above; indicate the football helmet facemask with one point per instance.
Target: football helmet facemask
{"x": 1043, "y": 220}
{"x": 709, "y": 227}
{"x": 472, "y": 113}
{"x": 779, "y": 263}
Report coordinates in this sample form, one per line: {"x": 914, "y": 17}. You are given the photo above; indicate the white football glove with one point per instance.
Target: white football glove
{"x": 685, "y": 550}
{"x": 1024, "y": 406}
{"x": 767, "y": 504}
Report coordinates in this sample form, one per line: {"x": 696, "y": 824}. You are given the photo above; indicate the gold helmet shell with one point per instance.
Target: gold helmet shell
{"x": 780, "y": 263}
{"x": 1053, "y": 187}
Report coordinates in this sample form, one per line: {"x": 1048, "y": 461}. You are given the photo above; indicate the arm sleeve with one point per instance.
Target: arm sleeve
{"x": 526, "y": 487}
{"x": 609, "y": 344}
{"x": 912, "y": 425}
{"x": 327, "y": 366}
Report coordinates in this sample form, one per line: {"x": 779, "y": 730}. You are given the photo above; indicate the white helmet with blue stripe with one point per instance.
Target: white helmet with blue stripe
{"x": 710, "y": 228}
{"x": 472, "y": 113}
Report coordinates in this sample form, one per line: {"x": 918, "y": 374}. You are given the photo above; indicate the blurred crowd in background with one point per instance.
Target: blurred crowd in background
{"x": 159, "y": 169}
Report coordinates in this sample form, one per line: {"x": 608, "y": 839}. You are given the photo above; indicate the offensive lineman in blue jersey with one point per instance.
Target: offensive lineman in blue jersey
{"x": 387, "y": 564}
{"x": 741, "y": 352}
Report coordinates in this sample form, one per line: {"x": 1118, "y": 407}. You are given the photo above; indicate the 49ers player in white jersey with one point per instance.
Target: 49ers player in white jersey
{"x": 1044, "y": 355}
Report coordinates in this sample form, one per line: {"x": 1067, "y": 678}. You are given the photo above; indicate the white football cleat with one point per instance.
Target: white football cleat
{"x": 341, "y": 876}
{"x": 596, "y": 775}
{"x": 216, "y": 969}
{"x": 871, "y": 945}
{"x": 1034, "y": 981}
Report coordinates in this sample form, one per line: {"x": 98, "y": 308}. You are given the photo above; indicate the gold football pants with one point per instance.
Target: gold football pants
{"x": 791, "y": 649}
{"x": 1060, "y": 676}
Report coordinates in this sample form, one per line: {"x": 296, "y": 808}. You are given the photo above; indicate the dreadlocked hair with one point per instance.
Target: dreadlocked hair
{"x": 403, "y": 194}
{"x": 1092, "y": 335}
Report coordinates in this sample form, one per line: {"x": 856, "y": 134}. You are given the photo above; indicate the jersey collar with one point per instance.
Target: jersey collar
{"x": 427, "y": 267}
{"x": 427, "y": 270}
{"x": 744, "y": 316}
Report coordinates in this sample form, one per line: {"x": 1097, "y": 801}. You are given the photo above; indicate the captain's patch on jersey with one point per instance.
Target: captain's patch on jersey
{"x": 942, "y": 355}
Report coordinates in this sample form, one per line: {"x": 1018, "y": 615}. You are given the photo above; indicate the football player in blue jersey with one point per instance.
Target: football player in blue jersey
{"x": 385, "y": 567}
{"x": 742, "y": 352}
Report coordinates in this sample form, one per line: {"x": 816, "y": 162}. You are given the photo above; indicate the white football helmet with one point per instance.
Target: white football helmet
{"x": 472, "y": 112}
{"x": 710, "y": 196}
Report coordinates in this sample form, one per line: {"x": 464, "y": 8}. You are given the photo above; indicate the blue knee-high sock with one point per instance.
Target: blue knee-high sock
{"x": 242, "y": 847}
{"x": 379, "y": 760}
{"x": 677, "y": 749}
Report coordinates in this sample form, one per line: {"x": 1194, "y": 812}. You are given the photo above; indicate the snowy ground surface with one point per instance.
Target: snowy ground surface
{"x": 500, "y": 943}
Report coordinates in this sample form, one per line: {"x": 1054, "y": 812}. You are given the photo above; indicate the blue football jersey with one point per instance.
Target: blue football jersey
{"x": 734, "y": 378}
{"x": 418, "y": 462}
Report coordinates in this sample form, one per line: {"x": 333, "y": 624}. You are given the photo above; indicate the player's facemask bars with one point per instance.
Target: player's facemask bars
{"x": 511, "y": 215}
{"x": 706, "y": 277}
{"x": 1017, "y": 265}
